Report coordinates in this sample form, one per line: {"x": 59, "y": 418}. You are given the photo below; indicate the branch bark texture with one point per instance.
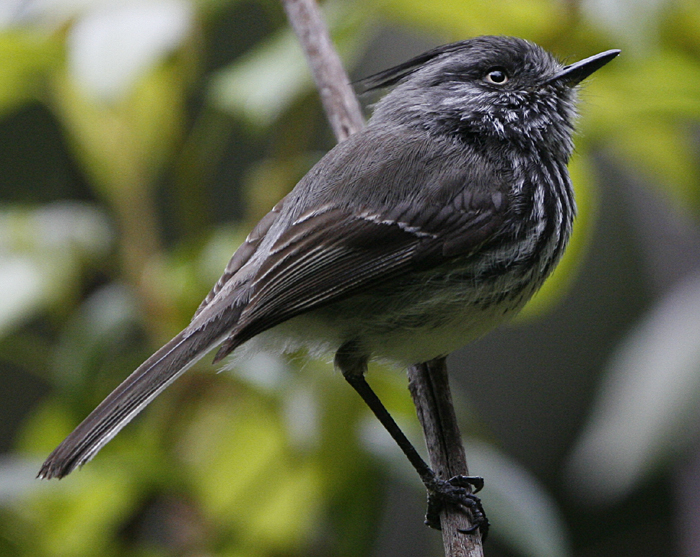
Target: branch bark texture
{"x": 428, "y": 382}
{"x": 430, "y": 389}
{"x": 339, "y": 100}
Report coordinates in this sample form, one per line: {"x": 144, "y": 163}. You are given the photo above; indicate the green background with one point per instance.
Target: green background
{"x": 141, "y": 141}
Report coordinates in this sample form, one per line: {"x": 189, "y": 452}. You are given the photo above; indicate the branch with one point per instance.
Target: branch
{"x": 428, "y": 382}
{"x": 430, "y": 389}
{"x": 338, "y": 98}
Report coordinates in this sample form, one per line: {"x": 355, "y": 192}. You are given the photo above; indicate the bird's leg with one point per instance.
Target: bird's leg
{"x": 458, "y": 491}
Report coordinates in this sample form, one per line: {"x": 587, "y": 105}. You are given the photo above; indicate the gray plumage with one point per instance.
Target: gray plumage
{"x": 409, "y": 239}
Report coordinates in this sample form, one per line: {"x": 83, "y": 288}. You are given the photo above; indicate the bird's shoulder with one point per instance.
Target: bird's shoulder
{"x": 384, "y": 166}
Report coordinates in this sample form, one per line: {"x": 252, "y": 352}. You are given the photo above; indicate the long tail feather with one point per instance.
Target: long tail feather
{"x": 129, "y": 398}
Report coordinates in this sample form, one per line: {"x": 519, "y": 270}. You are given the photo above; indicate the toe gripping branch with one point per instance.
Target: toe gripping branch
{"x": 458, "y": 492}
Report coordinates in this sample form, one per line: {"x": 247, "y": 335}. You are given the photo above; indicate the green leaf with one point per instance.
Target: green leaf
{"x": 266, "y": 81}
{"x": 124, "y": 145}
{"x": 41, "y": 254}
{"x": 636, "y": 23}
{"x": 91, "y": 348}
{"x": 73, "y": 517}
{"x": 665, "y": 154}
{"x": 110, "y": 47}
{"x": 27, "y": 56}
{"x": 28, "y": 287}
{"x": 243, "y": 473}
{"x": 644, "y": 116}
{"x": 632, "y": 91}
{"x": 534, "y": 19}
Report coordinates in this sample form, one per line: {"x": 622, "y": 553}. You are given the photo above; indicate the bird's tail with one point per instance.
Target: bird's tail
{"x": 129, "y": 398}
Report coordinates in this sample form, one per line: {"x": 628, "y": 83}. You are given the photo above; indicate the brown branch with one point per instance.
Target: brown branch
{"x": 428, "y": 382}
{"x": 430, "y": 389}
{"x": 339, "y": 100}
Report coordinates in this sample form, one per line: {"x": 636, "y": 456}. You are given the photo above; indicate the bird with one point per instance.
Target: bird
{"x": 411, "y": 238}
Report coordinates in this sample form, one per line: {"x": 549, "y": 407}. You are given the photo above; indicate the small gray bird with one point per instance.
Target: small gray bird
{"x": 406, "y": 241}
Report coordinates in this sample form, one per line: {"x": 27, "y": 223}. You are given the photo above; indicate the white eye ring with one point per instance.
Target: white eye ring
{"x": 497, "y": 76}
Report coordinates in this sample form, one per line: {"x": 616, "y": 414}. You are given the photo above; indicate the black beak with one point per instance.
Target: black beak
{"x": 574, "y": 74}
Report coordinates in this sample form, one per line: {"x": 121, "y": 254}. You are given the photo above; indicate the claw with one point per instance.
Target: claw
{"x": 457, "y": 491}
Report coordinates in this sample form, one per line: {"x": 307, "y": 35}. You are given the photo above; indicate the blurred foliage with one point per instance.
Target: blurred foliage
{"x": 277, "y": 457}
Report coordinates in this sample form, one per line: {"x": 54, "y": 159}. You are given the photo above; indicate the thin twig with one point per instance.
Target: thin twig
{"x": 428, "y": 382}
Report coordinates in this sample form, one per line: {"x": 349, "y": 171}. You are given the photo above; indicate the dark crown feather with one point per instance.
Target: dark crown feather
{"x": 392, "y": 76}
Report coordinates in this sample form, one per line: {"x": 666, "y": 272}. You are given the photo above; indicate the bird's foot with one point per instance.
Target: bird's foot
{"x": 459, "y": 492}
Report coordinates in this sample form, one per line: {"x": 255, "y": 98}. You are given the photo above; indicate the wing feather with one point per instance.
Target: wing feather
{"x": 243, "y": 253}
{"x": 423, "y": 204}
{"x": 334, "y": 254}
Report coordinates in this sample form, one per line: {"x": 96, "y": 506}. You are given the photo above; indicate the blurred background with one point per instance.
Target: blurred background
{"x": 139, "y": 143}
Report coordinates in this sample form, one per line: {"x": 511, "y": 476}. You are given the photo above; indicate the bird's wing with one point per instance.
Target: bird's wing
{"x": 325, "y": 253}
{"x": 330, "y": 253}
{"x": 243, "y": 253}
{"x": 156, "y": 373}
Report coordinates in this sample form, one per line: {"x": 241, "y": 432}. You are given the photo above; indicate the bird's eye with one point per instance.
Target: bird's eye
{"x": 497, "y": 76}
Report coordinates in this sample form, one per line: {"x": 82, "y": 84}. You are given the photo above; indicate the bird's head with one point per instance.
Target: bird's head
{"x": 489, "y": 87}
